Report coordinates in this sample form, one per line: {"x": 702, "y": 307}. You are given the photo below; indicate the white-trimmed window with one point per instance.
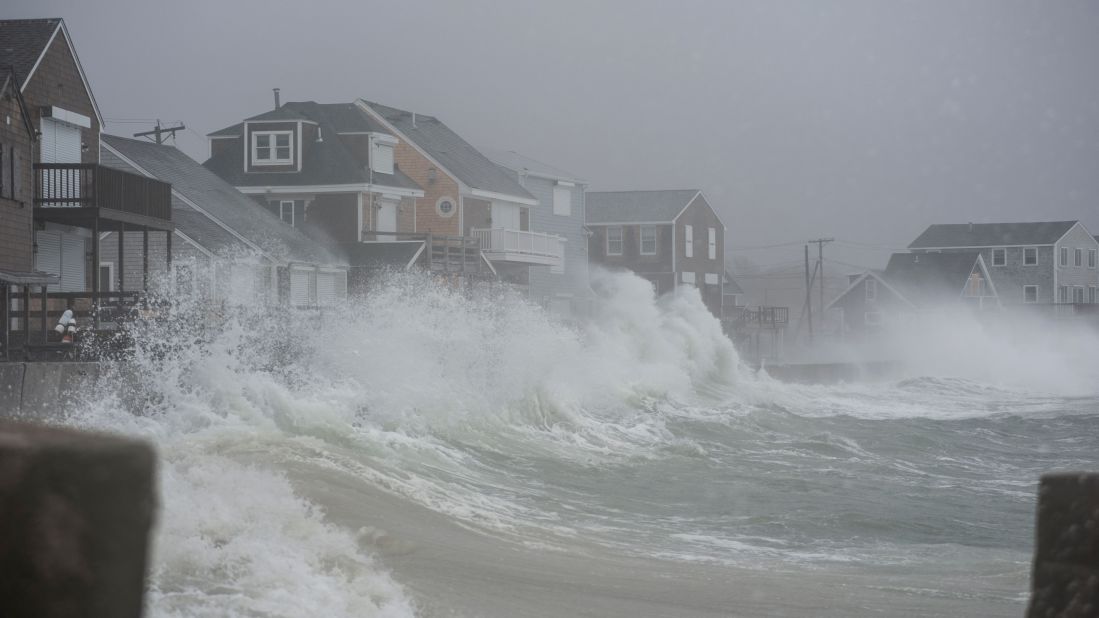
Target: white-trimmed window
{"x": 872, "y": 318}
{"x": 648, "y": 240}
{"x": 1093, "y": 294}
{"x": 871, "y": 288}
{"x": 1062, "y": 294}
{"x": 688, "y": 278}
{"x": 712, "y": 243}
{"x": 1064, "y": 256}
{"x": 562, "y": 200}
{"x": 286, "y": 211}
{"x": 1030, "y": 256}
{"x": 999, "y": 256}
{"x": 1078, "y": 294}
{"x": 614, "y": 240}
{"x": 688, "y": 241}
{"x": 711, "y": 278}
{"x": 381, "y": 157}
{"x": 445, "y": 207}
{"x": 1092, "y": 258}
{"x": 1078, "y": 257}
{"x": 1030, "y": 294}
{"x": 271, "y": 148}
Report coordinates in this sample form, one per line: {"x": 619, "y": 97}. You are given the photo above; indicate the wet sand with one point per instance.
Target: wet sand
{"x": 453, "y": 570}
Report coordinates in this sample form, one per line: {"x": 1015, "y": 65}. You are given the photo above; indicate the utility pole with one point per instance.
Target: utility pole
{"x": 808, "y": 296}
{"x": 159, "y": 132}
{"x": 820, "y": 242}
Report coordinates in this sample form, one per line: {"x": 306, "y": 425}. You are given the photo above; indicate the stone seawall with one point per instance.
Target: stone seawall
{"x": 41, "y": 391}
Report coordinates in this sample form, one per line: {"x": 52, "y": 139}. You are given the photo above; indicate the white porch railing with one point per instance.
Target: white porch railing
{"x": 520, "y": 246}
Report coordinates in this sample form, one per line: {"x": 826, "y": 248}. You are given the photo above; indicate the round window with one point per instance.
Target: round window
{"x": 445, "y": 206}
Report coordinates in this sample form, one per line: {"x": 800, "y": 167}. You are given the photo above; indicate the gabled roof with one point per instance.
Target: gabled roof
{"x": 637, "y": 206}
{"x": 509, "y": 159}
{"x": 962, "y": 235}
{"x": 927, "y": 278}
{"x": 23, "y": 43}
{"x": 198, "y": 191}
{"x": 453, "y": 153}
{"x": 327, "y": 162}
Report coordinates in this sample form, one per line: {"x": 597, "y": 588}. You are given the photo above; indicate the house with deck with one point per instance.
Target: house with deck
{"x": 561, "y": 286}
{"x": 1032, "y": 263}
{"x": 915, "y": 284}
{"x": 228, "y": 248}
{"x": 670, "y": 238}
{"x": 60, "y": 186}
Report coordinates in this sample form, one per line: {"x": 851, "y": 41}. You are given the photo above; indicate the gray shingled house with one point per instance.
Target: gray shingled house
{"x": 671, "y": 238}
{"x": 226, "y": 245}
{"x": 915, "y": 283}
{"x": 1051, "y": 262}
{"x": 563, "y": 288}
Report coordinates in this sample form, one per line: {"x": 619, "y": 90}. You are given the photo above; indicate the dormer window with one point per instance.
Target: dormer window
{"x": 381, "y": 152}
{"x": 271, "y": 148}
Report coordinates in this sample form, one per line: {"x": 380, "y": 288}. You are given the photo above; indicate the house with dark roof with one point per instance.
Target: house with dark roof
{"x": 912, "y": 284}
{"x": 227, "y": 247}
{"x": 1046, "y": 262}
{"x": 671, "y": 238}
{"x": 59, "y": 198}
{"x": 563, "y": 287}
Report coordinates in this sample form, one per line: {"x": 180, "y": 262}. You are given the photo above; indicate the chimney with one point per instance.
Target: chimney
{"x": 276, "y": 91}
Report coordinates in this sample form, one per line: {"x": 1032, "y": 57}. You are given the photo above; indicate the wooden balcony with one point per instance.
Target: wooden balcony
{"x": 93, "y": 196}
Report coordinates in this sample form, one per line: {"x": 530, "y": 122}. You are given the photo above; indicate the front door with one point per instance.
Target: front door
{"x": 387, "y": 216}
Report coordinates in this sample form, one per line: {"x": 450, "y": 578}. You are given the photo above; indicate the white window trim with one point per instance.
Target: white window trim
{"x": 1003, "y": 252}
{"x": 439, "y": 206}
{"x": 621, "y": 240}
{"x": 282, "y": 204}
{"x": 1025, "y": 251}
{"x": 1078, "y": 257}
{"x": 1093, "y": 258}
{"x": 712, "y": 240}
{"x": 110, "y": 283}
{"x": 641, "y": 239}
{"x": 711, "y": 279}
{"x": 562, "y": 207}
{"x": 274, "y": 160}
{"x": 688, "y": 278}
{"x": 688, "y": 241}
{"x": 1064, "y": 256}
{"x": 1037, "y": 291}
{"x": 1093, "y": 294}
{"x": 871, "y": 289}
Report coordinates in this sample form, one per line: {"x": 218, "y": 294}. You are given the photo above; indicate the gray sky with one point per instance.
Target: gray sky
{"x": 862, "y": 120}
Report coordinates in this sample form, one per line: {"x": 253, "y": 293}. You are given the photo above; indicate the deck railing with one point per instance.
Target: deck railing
{"x": 519, "y": 242}
{"x": 89, "y": 185}
{"x": 759, "y": 317}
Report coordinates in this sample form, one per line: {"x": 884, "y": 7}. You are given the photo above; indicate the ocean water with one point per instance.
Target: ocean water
{"x": 427, "y": 453}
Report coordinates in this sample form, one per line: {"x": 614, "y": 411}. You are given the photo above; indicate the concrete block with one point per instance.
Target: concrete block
{"x": 1065, "y": 578}
{"x": 78, "y": 382}
{"x": 11, "y": 389}
{"x": 41, "y": 389}
{"x": 75, "y": 513}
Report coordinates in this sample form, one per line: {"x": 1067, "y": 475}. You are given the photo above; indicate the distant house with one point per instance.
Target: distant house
{"x": 561, "y": 285}
{"x": 916, "y": 283}
{"x": 671, "y": 238}
{"x": 1031, "y": 263}
{"x": 226, "y": 246}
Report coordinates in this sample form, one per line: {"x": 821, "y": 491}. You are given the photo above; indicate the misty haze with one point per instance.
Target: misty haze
{"x": 549, "y": 309}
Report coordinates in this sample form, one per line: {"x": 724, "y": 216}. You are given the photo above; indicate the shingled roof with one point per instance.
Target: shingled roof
{"x": 509, "y": 159}
{"x": 327, "y": 162}
{"x": 452, "y": 152}
{"x": 222, "y": 206}
{"x": 23, "y": 42}
{"x": 927, "y": 278}
{"x": 961, "y": 235}
{"x": 637, "y": 206}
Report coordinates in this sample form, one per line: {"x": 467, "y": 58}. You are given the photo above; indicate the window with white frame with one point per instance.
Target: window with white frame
{"x": 271, "y": 148}
{"x": 1092, "y": 294}
{"x": 712, "y": 240}
{"x": 1078, "y": 294}
{"x": 562, "y": 200}
{"x": 1091, "y": 258}
{"x": 711, "y": 278}
{"x": 688, "y": 278}
{"x": 1030, "y": 294}
{"x": 1030, "y": 256}
{"x": 648, "y": 240}
{"x": 999, "y": 256}
{"x": 1064, "y": 256}
{"x": 1078, "y": 257}
{"x": 286, "y": 211}
{"x": 688, "y": 241}
{"x": 614, "y": 240}
{"x": 871, "y": 288}
{"x": 1062, "y": 294}
{"x": 381, "y": 157}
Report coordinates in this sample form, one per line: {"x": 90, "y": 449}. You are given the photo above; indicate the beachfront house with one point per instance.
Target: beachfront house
{"x": 1033, "y": 263}
{"x": 913, "y": 284}
{"x": 227, "y": 248}
{"x": 670, "y": 238}
{"x": 60, "y": 198}
{"x": 561, "y": 285}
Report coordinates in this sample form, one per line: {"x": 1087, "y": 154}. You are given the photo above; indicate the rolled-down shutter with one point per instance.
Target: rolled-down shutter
{"x": 326, "y": 288}
{"x": 299, "y": 287}
{"x": 73, "y": 263}
{"x": 47, "y": 257}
